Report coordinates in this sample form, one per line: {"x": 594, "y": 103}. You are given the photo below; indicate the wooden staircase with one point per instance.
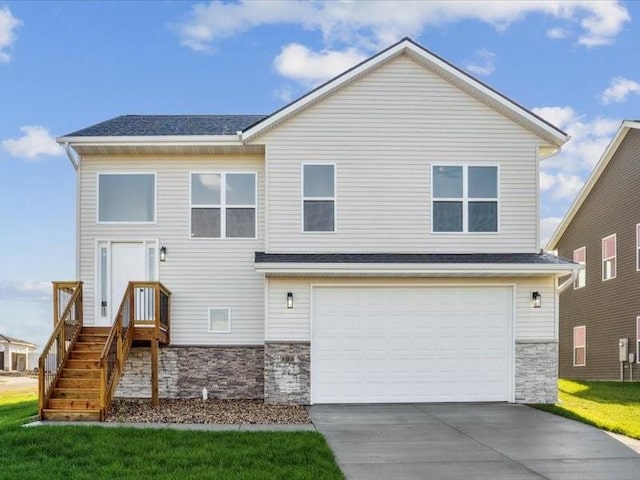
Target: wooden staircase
{"x": 76, "y": 393}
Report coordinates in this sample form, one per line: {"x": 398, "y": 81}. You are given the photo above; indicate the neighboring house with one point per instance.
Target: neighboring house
{"x": 15, "y": 354}
{"x": 602, "y": 231}
{"x": 376, "y": 240}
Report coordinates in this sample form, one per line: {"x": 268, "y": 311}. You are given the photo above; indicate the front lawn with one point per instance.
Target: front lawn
{"x": 612, "y": 406}
{"x": 69, "y": 452}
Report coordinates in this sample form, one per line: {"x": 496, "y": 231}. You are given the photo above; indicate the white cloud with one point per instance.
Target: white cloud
{"x": 301, "y": 64}
{"x": 8, "y": 26}
{"x": 25, "y": 290}
{"x": 547, "y": 227}
{"x": 35, "y": 142}
{"x": 562, "y": 176}
{"x": 557, "y": 33}
{"x": 284, "y": 93}
{"x": 619, "y": 89}
{"x": 369, "y": 25}
{"x": 483, "y": 63}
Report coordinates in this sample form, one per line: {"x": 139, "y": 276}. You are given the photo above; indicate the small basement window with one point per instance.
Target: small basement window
{"x": 219, "y": 320}
{"x": 580, "y": 346}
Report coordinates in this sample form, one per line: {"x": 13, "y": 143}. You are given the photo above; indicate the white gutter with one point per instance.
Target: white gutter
{"x": 74, "y": 162}
{"x": 574, "y": 275}
{"x": 152, "y": 139}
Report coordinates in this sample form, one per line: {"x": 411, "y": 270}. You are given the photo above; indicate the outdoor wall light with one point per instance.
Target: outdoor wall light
{"x": 536, "y": 299}
{"x": 163, "y": 254}
{"x": 289, "y": 299}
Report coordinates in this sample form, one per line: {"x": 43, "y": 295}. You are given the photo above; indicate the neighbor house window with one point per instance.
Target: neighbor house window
{"x": 220, "y": 320}
{"x": 580, "y": 256}
{"x": 638, "y": 339}
{"x": 223, "y": 205}
{"x": 465, "y": 198}
{"x": 638, "y": 247}
{"x": 580, "y": 346}
{"x": 609, "y": 257}
{"x": 126, "y": 197}
{"x": 319, "y": 198}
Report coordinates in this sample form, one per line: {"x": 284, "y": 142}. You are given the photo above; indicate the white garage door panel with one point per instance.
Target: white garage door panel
{"x": 411, "y": 344}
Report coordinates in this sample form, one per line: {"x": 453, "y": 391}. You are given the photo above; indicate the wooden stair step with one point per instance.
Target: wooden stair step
{"x": 71, "y": 415}
{"x": 98, "y": 330}
{"x": 88, "y": 346}
{"x": 92, "y": 338}
{"x": 83, "y": 355}
{"x": 76, "y": 393}
{"x": 73, "y": 404}
{"x": 83, "y": 364}
{"x": 79, "y": 383}
{"x": 89, "y": 373}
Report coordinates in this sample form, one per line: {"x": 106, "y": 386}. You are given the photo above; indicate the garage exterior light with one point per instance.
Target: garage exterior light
{"x": 536, "y": 299}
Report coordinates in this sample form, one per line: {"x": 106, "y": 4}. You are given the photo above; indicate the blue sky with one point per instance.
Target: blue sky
{"x": 67, "y": 65}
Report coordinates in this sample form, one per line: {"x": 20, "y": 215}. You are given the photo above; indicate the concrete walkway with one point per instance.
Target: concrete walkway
{"x": 473, "y": 441}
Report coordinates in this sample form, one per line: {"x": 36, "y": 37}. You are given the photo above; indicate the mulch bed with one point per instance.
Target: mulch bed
{"x": 211, "y": 411}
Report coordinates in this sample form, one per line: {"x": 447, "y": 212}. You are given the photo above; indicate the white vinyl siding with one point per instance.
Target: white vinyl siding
{"x": 283, "y": 324}
{"x": 385, "y": 131}
{"x": 609, "y": 257}
{"x": 202, "y": 273}
{"x": 580, "y": 256}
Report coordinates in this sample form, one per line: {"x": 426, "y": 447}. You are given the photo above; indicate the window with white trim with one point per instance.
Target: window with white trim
{"x": 219, "y": 320}
{"x": 126, "y": 197}
{"x": 609, "y": 257}
{"x": 223, "y": 205}
{"x": 638, "y": 247}
{"x": 580, "y": 257}
{"x": 318, "y": 198}
{"x": 464, "y": 198}
{"x": 580, "y": 346}
{"x": 638, "y": 339}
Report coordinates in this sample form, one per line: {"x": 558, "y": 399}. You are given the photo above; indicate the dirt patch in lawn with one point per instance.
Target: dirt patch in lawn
{"x": 211, "y": 411}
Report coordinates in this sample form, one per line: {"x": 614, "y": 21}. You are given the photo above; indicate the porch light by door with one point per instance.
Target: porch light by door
{"x": 163, "y": 254}
{"x": 289, "y": 299}
{"x": 536, "y": 299}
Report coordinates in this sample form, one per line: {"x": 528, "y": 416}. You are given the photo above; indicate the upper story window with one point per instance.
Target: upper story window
{"x": 126, "y": 197}
{"x": 465, "y": 198}
{"x": 580, "y": 256}
{"x": 609, "y": 257}
{"x": 223, "y": 205}
{"x": 319, "y": 198}
{"x": 638, "y": 251}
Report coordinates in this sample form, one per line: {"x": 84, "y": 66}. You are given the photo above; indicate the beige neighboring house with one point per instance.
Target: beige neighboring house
{"x": 14, "y": 354}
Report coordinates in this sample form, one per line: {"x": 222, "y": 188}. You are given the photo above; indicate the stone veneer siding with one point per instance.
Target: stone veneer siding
{"x": 287, "y": 373}
{"x": 226, "y": 372}
{"x": 536, "y": 372}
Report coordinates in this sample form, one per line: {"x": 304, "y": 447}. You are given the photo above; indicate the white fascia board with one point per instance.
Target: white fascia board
{"x": 163, "y": 140}
{"x": 425, "y": 55}
{"x": 591, "y": 181}
{"x": 421, "y": 269}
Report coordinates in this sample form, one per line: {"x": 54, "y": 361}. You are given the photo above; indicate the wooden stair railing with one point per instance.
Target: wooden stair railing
{"x": 68, "y": 322}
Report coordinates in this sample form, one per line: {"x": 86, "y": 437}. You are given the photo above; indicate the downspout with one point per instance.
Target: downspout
{"x": 76, "y": 165}
{"x": 572, "y": 278}
{"x": 73, "y": 161}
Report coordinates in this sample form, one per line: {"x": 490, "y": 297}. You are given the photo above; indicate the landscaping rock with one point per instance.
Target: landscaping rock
{"x": 211, "y": 411}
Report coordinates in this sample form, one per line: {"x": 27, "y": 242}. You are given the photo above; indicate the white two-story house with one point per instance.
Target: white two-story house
{"x": 376, "y": 240}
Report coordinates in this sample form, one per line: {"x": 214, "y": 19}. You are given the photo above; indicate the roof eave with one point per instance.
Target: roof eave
{"x": 591, "y": 181}
{"x": 151, "y": 140}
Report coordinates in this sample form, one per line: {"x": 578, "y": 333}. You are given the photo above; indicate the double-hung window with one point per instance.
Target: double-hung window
{"x": 609, "y": 257}
{"x": 464, "y": 198}
{"x": 580, "y": 346}
{"x": 126, "y": 198}
{"x": 580, "y": 257}
{"x": 638, "y": 247}
{"x": 223, "y": 205}
{"x": 319, "y": 198}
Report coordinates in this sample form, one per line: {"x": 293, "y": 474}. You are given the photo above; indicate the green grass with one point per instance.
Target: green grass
{"x": 78, "y": 452}
{"x": 612, "y": 406}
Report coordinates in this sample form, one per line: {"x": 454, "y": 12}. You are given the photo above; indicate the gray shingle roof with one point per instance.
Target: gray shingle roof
{"x": 6, "y": 338}
{"x": 152, "y": 125}
{"x": 466, "y": 258}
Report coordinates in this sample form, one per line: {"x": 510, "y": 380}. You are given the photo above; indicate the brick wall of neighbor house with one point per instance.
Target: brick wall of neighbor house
{"x": 287, "y": 373}
{"x": 226, "y": 372}
{"x": 536, "y": 372}
{"x": 608, "y": 309}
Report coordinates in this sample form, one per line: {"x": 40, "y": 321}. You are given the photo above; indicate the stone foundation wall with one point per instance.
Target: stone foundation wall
{"x": 536, "y": 372}
{"x": 226, "y": 372}
{"x": 287, "y": 373}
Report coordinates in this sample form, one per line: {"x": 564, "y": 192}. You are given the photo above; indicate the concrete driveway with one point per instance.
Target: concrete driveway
{"x": 469, "y": 441}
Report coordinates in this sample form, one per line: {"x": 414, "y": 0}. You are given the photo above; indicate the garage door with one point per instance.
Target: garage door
{"x": 411, "y": 344}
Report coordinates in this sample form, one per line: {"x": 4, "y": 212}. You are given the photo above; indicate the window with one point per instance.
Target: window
{"x": 638, "y": 339}
{"x": 318, "y": 198}
{"x": 580, "y": 346}
{"x": 580, "y": 256}
{"x": 126, "y": 197}
{"x": 220, "y": 320}
{"x": 638, "y": 247}
{"x": 464, "y": 198}
{"x": 223, "y": 205}
{"x": 609, "y": 257}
